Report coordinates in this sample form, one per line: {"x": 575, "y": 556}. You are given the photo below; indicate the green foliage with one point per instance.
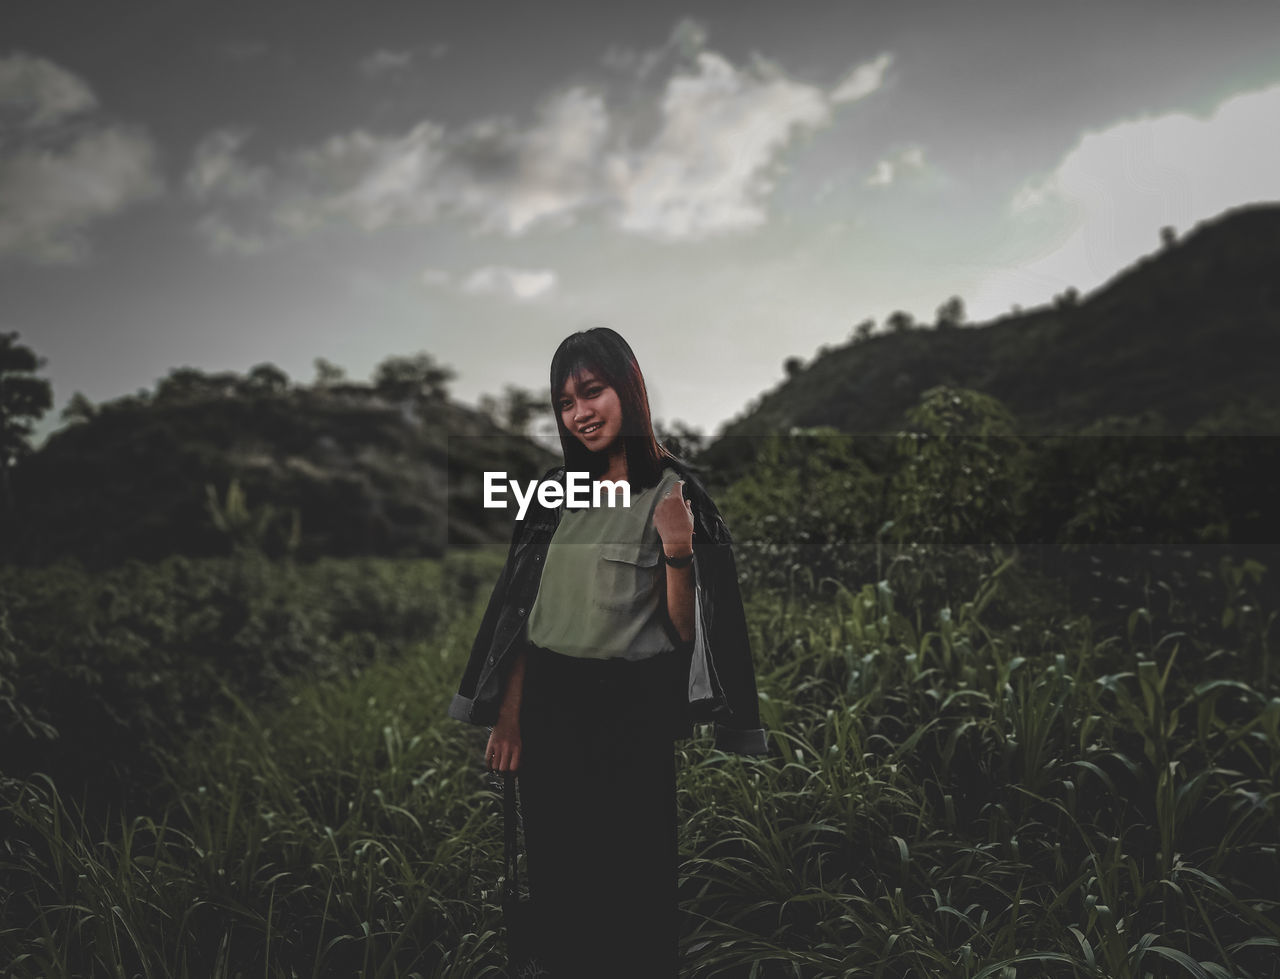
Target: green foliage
{"x": 951, "y": 313}
{"x": 417, "y": 376}
{"x": 138, "y": 656}
{"x": 24, "y": 398}
{"x": 365, "y": 477}
{"x": 929, "y": 518}
{"x": 78, "y": 409}
{"x": 956, "y": 492}
{"x": 979, "y": 769}
{"x": 328, "y": 373}
{"x": 806, "y": 509}
{"x": 343, "y": 831}
{"x": 1186, "y": 332}
{"x": 1142, "y": 490}
{"x": 958, "y": 800}
{"x": 864, "y": 330}
{"x": 252, "y": 530}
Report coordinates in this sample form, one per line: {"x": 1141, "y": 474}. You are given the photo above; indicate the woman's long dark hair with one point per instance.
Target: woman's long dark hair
{"x": 603, "y": 352}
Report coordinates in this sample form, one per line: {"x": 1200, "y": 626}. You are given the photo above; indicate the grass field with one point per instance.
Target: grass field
{"x": 986, "y": 762}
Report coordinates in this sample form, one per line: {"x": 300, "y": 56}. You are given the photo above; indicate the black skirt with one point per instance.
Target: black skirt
{"x": 598, "y": 799}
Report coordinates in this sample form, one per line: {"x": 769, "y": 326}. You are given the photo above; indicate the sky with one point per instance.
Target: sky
{"x": 223, "y": 184}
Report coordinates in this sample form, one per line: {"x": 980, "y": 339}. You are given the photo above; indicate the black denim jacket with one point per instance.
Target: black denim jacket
{"x": 721, "y": 680}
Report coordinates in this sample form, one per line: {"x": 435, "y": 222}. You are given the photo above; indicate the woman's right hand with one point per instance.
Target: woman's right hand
{"x": 503, "y": 751}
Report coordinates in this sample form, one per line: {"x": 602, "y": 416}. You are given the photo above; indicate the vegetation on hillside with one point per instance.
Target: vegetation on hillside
{"x": 997, "y": 751}
{"x": 384, "y": 468}
{"x": 1174, "y": 339}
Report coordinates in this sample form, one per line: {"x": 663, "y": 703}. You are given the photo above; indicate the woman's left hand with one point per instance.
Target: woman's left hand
{"x": 673, "y": 519}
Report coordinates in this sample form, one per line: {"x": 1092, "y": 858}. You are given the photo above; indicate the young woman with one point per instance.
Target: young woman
{"x": 610, "y": 631}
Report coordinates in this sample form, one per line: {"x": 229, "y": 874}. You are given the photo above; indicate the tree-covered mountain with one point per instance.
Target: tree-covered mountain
{"x": 1188, "y": 334}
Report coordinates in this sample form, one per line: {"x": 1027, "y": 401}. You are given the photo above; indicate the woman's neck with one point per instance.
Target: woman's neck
{"x": 617, "y": 468}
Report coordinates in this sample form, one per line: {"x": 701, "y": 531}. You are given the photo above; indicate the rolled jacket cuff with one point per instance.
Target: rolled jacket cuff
{"x": 749, "y": 741}
{"x": 472, "y": 711}
{"x": 460, "y": 707}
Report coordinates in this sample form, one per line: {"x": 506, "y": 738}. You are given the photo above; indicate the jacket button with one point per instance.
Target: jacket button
{"x": 537, "y": 559}
{"x": 490, "y": 660}
{"x": 519, "y": 611}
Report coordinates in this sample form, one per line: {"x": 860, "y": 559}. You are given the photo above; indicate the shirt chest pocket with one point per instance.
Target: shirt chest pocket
{"x": 625, "y": 575}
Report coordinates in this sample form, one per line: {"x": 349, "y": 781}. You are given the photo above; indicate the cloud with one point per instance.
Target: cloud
{"x": 55, "y": 181}
{"x": 224, "y": 238}
{"x": 519, "y": 284}
{"x": 491, "y": 173}
{"x": 512, "y": 180}
{"x": 906, "y": 162}
{"x": 522, "y": 285}
{"x": 1106, "y": 200}
{"x": 382, "y": 62}
{"x": 217, "y": 171}
{"x": 862, "y": 80}
{"x": 708, "y": 168}
{"x": 41, "y": 92}
{"x": 695, "y": 155}
{"x": 687, "y": 39}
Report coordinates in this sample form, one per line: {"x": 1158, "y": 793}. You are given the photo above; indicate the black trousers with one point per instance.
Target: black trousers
{"x": 598, "y": 798}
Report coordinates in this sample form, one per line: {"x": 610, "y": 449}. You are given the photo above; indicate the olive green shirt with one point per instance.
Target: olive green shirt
{"x": 601, "y": 594}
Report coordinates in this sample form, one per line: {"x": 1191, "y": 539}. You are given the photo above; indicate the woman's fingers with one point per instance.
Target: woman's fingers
{"x": 502, "y": 754}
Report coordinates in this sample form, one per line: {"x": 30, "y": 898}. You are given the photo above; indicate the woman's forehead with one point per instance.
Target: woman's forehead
{"x": 579, "y": 375}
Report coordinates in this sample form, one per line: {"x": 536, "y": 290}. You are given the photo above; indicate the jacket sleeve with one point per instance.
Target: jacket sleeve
{"x": 741, "y": 732}
{"x": 463, "y": 704}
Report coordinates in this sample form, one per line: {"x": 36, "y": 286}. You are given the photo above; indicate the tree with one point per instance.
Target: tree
{"x": 327, "y": 372}
{"x": 793, "y": 366}
{"x": 1067, "y": 298}
{"x": 681, "y": 439}
{"x": 520, "y": 407}
{"x": 951, "y": 313}
{"x": 1168, "y": 236}
{"x": 267, "y": 379}
{"x": 900, "y": 321}
{"x": 24, "y": 398}
{"x": 193, "y": 384}
{"x": 418, "y": 377}
{"x": 79, "y": 409}
{"x": 247, "y": 529}
{"x": 863, "y": 330}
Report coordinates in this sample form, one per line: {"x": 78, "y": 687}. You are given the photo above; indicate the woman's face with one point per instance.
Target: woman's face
{"x": 591, "y": 411}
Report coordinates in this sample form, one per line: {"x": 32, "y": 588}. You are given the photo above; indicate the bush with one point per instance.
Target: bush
{"x": 98, "y": 666}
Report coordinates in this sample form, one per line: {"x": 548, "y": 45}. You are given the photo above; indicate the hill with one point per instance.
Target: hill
{"x": 1180, "y": 336}
{"x": 365, "y": 474}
